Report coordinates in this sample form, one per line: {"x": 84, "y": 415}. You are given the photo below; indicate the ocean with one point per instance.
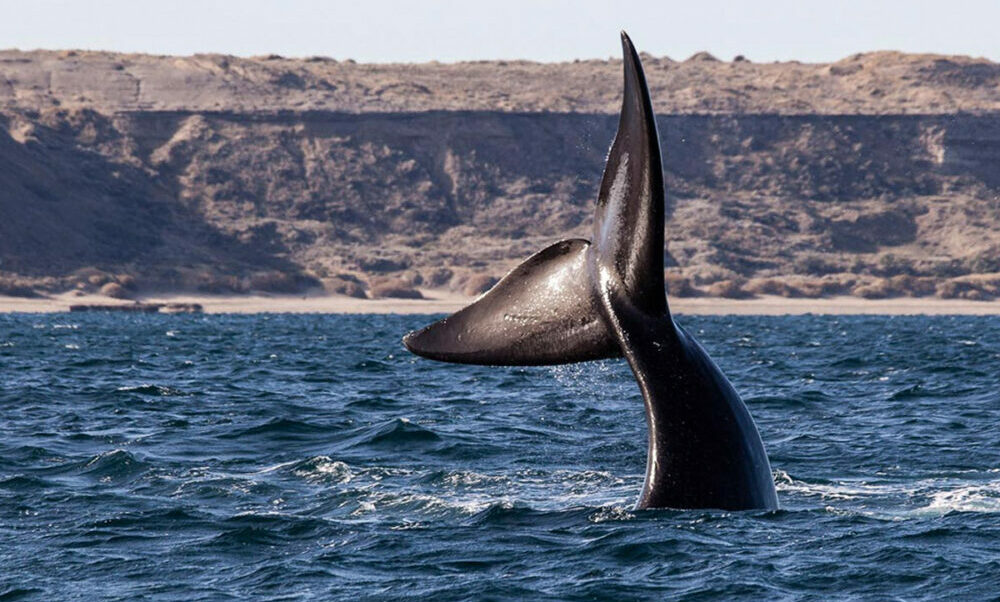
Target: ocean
{"x": 296, "y": 457}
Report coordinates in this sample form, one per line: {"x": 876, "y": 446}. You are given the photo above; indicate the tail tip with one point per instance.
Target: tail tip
{"x": 626, "y": 41}
{"x": 408, "y": 341}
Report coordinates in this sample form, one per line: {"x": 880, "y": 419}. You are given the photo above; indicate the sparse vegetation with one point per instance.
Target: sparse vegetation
{"x": 978, "y": 287}
{"x": 16, "y": 287}
{"x": 343, "y": 286}
{"x": 730, "y": 289}
{"x": 394, "y": 288}
{"x": 678, "y": 285}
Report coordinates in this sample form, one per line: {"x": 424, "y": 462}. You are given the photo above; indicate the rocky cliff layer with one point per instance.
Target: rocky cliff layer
{"x": 875, "y": 83}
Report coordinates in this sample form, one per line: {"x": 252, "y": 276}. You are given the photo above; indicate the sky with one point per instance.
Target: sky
{"x": 542, "y": 30}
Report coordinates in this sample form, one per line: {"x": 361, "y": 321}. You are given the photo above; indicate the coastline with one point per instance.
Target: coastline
{"x": 439, "y": 301}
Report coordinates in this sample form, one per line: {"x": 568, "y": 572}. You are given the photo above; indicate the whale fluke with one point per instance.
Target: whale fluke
{"x": 578, "y": 301}
{"x": 542, "y": 312}
{"x": 628, "y": 223}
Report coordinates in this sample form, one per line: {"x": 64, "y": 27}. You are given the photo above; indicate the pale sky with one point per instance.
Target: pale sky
{"x": 543, "y": 30}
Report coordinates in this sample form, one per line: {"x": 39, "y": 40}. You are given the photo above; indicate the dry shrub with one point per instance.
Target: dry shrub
{"x": 209, "y": 282}
{"x": 988, "y": 283}
{"x": 730, "y": 289}
{"x": 127, "y": 281}
{"x": 830, "y": 284}
{"x": 802, "y": 286}
{"x": 98, "y": 279}
{"x": 912, "y": 286}
{"x": 975, "y": 287}
{"x": 273, "y": 281}
{"x": 414, "y": 278}
{"x": 438, "y": 277}
{"x": 383, "y": 264}
{"x": 814, "y": 264}
{"x": 842, "y": 283}
{"x": 707, "y": 274}
{"x": 16, "y": 287}
{"x": 810, "y": 288}
{"x": 89, "y": 279}
{"x": 458, "y": 278}
{"x": 47, "y": 284}
{"x": 890, "y": 265}
{"x": 340, "y": 286}
{"x": 477, "y": 284}
{"x": 878, "y": 288}
{"x": 349, "y": 277}
{"x": 951, "y": 289}
{"x": 679, "y": 285}
{"x": 114, "y": 290}
{"x": 770, "y": 286}
{"x": 394, "y": 288}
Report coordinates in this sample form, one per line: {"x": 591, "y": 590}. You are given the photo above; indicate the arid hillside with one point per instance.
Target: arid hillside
{"x": 878, "y": 175}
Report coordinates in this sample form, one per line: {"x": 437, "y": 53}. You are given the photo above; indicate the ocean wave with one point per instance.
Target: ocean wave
{"x": 323, "y": 469}
{"x": 114, "y": 465}
{"x": 408, "y": 503}
{"x": 150, "y": 389}
{"x": 277, "y": 427}
{"x": 460, "y": 479}
{"x": 22, "y": 482}
{"x": 397, "y": 432}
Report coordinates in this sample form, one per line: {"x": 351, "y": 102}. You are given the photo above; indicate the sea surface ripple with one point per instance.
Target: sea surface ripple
{"x": 311, "y": 457}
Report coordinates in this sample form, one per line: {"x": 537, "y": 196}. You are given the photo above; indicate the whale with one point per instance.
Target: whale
{"x": 582, "y": 300}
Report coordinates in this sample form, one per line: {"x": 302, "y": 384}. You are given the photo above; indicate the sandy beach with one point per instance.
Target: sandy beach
{"x": 438, "y": 301}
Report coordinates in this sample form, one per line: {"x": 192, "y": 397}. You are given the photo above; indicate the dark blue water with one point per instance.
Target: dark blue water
{"x": 298, "y": 457}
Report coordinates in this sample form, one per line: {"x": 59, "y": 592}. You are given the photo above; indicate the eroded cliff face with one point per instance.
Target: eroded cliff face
{"x": 208, "y": 199}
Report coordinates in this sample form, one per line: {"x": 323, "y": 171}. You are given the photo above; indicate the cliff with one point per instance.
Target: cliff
{"x": 877, "y": 175}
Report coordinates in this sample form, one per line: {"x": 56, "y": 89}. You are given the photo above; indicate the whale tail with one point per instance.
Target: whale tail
{"x": 548, "y": 310}
{"x": 542, "y": 312}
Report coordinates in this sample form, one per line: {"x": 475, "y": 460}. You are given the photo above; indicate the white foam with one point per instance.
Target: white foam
{"x": 611, "y": 513}
{"x": 930, "y": 496}
{"x": 838, "y": 490}
{"x": 971, "y": 498}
